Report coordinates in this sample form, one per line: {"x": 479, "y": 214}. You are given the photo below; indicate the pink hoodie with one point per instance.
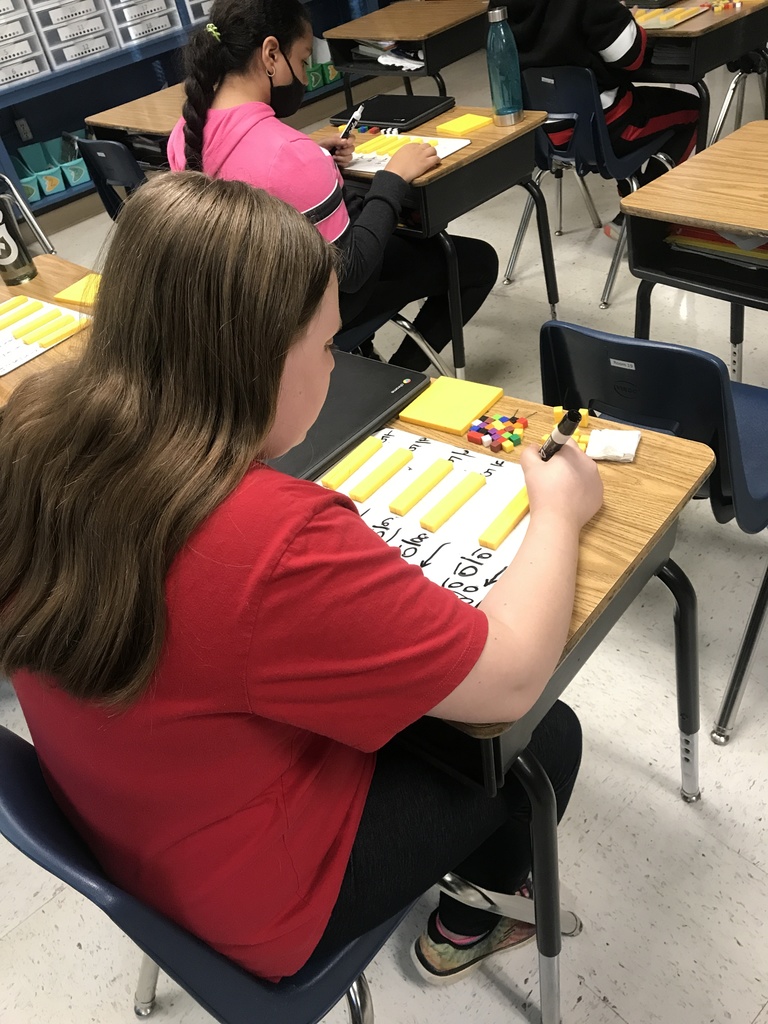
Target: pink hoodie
{"x": 248, "y": 143}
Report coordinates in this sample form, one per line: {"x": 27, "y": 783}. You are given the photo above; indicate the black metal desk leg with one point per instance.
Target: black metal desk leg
{"x": 347, "y": 81}
{"x": 408, "y": 85}
{"x": 545, "y": 243}
{"x": 703, "y": 129}
{"x": 546, "y": 880}
{"x": 643, "y": 310}
{"x": 454, "y": 305}
{"x": 440, "y": 84}
{"x": 687, "y": 672}
{"x": 737, "y": 340}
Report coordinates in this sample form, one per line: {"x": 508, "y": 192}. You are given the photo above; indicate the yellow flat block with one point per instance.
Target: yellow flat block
{"x": 29, "y": 307}
{"x": 459, "y": 126}
{"x": 391, "y": 465}
{"x": 440, "y": 513}
{"x": 451, "y": 404}
{"x": 61, "y": 333}
{"x": 350, "y": 464}
{"x": 420, "y": 487}
{"x": 506, "y": 521}
{"x": 20, "y": 334}
{"x": 62, "y": 320}
{"x": 82, "y": 292}
{"x": 9, "y": 304}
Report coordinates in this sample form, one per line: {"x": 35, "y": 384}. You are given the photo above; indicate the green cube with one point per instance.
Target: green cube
{"x": 516, "y": 439}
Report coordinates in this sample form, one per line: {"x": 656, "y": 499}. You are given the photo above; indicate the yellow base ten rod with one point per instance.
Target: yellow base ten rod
{"x": 20, "y": 334}
{"x": 60, "y": 334}
{"x": 61, "y": 321}
{"x": 391, "y": 465}
{"x": 350, "y": 464}
{"x": 14, "y": 303}
{"x": 506, "y": 521}
{"x": 420, "y": 487}
{"x": 440, "y": 513}
{"x": 19, "y": 313}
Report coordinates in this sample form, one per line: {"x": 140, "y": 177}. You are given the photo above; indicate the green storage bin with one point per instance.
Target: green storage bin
{"x": 50, "y": 178}
{"x": 75, "y": 172}
{"x": 330, "y": 73}
{"x": 315, "y": 79}
{"x": 29, "y": 186}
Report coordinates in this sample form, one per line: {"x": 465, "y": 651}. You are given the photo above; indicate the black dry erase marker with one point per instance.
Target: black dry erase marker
{"x": 353, "y": 122}
{"x": 560, "y": 434}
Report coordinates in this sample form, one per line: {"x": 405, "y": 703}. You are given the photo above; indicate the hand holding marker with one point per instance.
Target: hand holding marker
{"x": 560, "y": 434}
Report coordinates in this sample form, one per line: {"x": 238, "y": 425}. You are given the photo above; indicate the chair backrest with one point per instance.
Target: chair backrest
{"x": 111, "y": 164}
{"x": 31, "y": 820}
{"x": 350, "y": 338}
{"x": 671, "y": 388}
{"x": 571, "y": 94}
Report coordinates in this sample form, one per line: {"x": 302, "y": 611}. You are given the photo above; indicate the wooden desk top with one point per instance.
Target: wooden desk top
{"x": 410, "y": 20}
{"x": 723, "y": 188}
{"x": 155, "y": 114}
{"x": 53, "y": 274}
{"x": 704, "y": 23}
{"x": 484, "y": 140}
{"x": 642, "y": 501}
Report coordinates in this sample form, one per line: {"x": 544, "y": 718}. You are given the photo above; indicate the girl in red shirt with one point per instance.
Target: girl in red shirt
{"x": 176, "y": 616}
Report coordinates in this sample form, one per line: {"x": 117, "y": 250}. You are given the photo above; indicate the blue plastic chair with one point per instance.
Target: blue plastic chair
{"x": 686, "y": 392}
{"x": 110, "y": 164}
{"x": 33, "y": 823}
{"x": 572, "y": 99}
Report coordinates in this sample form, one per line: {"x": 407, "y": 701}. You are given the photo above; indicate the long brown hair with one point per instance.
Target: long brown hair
{"x": 108, "y": 463}
{"x": 241, "y": 27}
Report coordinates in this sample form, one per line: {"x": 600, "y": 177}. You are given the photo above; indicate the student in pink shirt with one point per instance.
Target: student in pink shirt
{"x": 245, "y": 71}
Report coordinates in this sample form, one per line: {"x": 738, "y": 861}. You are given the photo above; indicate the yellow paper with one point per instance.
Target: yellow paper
{"x": 450, "y": 404}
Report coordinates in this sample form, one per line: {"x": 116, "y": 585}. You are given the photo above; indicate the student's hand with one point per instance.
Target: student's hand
{"x": 568, "y": 486}
{"x": 342, "y": 150}
{"x": 413, "y": 160}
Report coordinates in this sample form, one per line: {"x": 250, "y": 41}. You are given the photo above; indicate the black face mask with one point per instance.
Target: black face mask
{"x": 286, "y": 99}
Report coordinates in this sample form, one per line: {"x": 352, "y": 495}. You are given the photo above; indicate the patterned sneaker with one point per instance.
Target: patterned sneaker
{"x": 440, "y": 962}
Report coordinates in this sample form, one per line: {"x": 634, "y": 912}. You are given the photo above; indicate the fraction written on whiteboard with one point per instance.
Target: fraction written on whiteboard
{"x": 451, "y": 556}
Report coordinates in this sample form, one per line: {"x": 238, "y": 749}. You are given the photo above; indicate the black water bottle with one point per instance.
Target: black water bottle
{"x": 16, "y": 264}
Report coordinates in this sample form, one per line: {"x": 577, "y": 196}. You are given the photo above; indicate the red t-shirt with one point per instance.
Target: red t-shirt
{"x": 229, "y": 795}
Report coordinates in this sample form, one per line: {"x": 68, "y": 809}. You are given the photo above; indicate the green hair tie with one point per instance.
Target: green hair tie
{"x": 210, "y": 27}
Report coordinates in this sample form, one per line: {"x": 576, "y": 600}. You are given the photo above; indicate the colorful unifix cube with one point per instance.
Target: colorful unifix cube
{"x": 557, "y": 414}
{"x": 519, "y": 431}
{"x": 507, "y": 446}
{"x": 522, "y": 422}
{"x": 584, "y": 417}
{"x": 496, "y": 446}
{"x": 507, "y": 434}
{"x": 504, "y": 419}
{"x": 474, "y": 438}
{"x": 583, "y": 445}
{"x": 486, "y": 442}
{"x": 516, "y": 440}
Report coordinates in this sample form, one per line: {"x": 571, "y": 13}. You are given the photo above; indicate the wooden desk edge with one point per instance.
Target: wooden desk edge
{"x": 388, "y": 15}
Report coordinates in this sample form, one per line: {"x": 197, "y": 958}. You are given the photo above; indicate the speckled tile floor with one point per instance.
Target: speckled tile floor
{"x": 674, "y": 898}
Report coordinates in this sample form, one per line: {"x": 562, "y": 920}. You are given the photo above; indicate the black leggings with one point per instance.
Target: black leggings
{"x": 419, "y": 823}
{"x": 415, "y": 268}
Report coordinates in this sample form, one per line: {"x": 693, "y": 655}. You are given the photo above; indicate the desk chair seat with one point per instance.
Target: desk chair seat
{"x": 572, "y": 98}
{"x": 110, "y": 164}
{"x": 353, "y": 337}
{"x": 689, "y": 393}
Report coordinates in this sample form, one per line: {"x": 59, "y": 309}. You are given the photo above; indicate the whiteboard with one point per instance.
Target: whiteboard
{"x": 452, "y": 556}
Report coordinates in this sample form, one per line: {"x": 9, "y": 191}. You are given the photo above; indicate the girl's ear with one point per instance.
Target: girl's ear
{"x": 270, "y": 51}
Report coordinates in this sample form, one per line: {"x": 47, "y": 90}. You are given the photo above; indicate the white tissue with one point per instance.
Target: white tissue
{"x": 613, "y": 445}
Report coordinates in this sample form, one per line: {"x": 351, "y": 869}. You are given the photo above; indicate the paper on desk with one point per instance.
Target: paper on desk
{"x": 613, "y": 445}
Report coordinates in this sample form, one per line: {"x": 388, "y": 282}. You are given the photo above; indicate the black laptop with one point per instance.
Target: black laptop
{"x": 394, "y": 111}
{"x": 364, "y": 394}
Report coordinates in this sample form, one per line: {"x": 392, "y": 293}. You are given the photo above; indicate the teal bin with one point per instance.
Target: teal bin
{"x": 50, "y": 178}
{"x": 29, "y": 186}
{"x": 75, "y": 172}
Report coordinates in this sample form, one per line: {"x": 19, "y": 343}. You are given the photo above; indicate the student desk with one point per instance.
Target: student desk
{"x": 496, "y": 160}
{"x": 445, "y": 31}
{"x": 685, "y": 53}
{"x": 628, "y": 542}
{"x": 721, "y": 189}
{"x": 155, "y": 114}
{"x": 53, "y": 274}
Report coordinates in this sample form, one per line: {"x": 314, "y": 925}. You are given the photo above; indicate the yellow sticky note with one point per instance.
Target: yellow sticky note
{"x": 450, "y": 404}
{"x": 27, "y": 308}
{"x": 29, "y": 328}
{"x": 82, "y": 292}
{"x": 459, "y": 126}
{"x": 385, "y": 471}
{"x": 350, "y": 464}
{"x": 448, "y": 506}
{"x": 420, "y": 487}
{"x": 505, "y": 522}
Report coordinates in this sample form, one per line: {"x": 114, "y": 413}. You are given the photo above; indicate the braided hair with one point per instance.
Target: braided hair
{"x": 241, "y": 26}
